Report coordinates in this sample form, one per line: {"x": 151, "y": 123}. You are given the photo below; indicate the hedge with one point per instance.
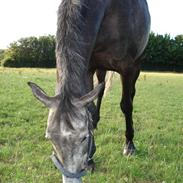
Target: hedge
{"x": 161, "y": 53}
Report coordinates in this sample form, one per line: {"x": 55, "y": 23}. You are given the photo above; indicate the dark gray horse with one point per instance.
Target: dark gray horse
{"x": 92, "y": 36}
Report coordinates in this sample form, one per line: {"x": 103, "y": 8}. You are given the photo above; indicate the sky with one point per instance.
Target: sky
{"x": 24, "y": 18}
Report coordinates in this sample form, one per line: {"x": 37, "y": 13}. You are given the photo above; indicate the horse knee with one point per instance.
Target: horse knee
{"x": 94, "y": 114}
{"x": 100, "y": 95}
{"x": 133, "y": 93}
{"x": 95, "y": 119}
{"x": 122, "y": 106}
{"x": 126, "y": 106}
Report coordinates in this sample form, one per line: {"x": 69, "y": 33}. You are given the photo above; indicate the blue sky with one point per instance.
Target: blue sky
{"x": 23, "y": 18}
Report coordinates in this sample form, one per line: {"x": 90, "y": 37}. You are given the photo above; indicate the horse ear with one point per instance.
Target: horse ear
{"x": 42, "y": 96}
{"x": 92, "y": 95}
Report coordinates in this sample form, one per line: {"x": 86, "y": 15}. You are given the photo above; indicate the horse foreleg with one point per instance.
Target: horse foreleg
{"x": 128, "y": 82}
{"x": 101, "y": 78}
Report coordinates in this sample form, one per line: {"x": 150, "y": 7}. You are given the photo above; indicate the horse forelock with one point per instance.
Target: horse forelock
{"x": 74, "y": 117}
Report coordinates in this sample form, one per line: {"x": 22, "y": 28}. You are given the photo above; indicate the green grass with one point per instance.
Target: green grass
{"x": 158, "y": 121}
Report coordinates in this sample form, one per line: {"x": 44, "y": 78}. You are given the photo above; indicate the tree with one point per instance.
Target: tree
{"x": 163, "y": 53}
{"x": 31, "y": 52}
{"x": 1, "y": 55}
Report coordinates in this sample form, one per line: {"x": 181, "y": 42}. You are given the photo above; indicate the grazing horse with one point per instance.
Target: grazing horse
{"x": 92, "y": 36}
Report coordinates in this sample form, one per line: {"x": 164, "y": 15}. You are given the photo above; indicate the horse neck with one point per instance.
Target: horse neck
{"x": 71, "y": 62}
{"x": 72, "y": 86}
{"x": 75, "y": 40}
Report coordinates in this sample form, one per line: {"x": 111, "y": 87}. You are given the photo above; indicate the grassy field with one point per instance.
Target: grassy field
{"x": 158, "y": 118}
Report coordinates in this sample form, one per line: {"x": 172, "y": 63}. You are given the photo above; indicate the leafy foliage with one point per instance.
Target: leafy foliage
{"x": 164, "y": 52}
{"x": 31, "y": 52}
{"x": 161, "y": 53}
{"x": 1, "y": 55}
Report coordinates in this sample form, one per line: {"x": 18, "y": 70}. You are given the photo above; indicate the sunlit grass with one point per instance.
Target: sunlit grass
{"x": 158, "y": 121}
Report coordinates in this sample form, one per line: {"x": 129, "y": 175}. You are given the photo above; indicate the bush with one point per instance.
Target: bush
{"x": 8, "y": 62}
{"x": 31, "y": 52}
{"x": 163, "y": 53}
{"x": 1, "y": 55}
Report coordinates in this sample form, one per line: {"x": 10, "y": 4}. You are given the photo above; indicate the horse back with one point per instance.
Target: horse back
{"x": 123, "y": 33}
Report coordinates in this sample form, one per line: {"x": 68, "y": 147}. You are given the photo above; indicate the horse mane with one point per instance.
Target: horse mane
{"x": 70, "y": 59}
{"x": 69, "y": 45}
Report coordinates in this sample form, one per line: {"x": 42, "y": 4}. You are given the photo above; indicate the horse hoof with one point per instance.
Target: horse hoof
{"x": 129, "y": 149}
{"x": 91, "y": 165}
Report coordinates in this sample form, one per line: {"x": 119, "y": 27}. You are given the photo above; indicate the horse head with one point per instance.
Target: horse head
{"x": 70, "y": 131}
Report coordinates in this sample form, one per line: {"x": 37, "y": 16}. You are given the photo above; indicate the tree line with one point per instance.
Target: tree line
{"x": 31, "y": 52}
{"x": 162, "y": 53}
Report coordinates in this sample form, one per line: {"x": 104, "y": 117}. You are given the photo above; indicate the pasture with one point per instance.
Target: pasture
{"x": 158, "y": 122}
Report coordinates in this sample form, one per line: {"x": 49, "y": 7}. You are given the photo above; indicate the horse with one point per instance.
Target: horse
{"x": 93, "y": 36}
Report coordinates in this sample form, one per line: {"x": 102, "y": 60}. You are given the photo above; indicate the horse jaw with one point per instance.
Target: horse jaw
{"x": 71, "y": 180}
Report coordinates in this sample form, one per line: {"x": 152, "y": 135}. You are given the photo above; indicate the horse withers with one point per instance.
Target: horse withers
{"x": 92, "y": 36}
